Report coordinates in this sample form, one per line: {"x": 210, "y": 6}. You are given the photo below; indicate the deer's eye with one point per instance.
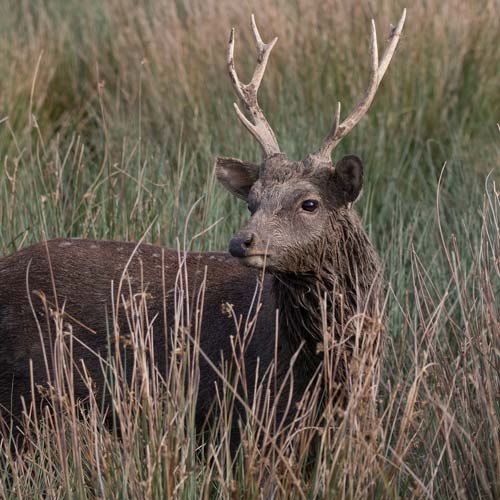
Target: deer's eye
{"x": 309, "y": 205}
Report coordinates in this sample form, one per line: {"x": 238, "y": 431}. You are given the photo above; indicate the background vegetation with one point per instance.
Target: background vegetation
{"x": 111, "y": 115}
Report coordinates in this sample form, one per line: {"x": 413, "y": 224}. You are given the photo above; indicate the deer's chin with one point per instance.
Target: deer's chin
{"x": 256, "y": 261}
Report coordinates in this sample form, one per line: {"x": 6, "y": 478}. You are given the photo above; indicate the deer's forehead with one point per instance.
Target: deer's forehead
{"x": 292, "y": 180}
{"x": 283, "y": 193}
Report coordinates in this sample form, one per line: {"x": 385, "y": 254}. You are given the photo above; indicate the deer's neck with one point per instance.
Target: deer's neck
{"x": 345, "y": 283}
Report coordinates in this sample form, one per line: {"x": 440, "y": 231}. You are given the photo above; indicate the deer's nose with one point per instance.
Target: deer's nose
{"x": 240, "y": 244}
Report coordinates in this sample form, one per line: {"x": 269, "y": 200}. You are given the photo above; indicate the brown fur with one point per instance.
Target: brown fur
{"x": 311, "y": 258}
{"x": 83, "y": 272}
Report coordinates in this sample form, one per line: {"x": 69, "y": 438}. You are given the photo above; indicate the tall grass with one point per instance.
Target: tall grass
{"x": 111, "y": 115}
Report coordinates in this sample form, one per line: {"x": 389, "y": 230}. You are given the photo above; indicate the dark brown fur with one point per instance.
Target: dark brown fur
{"x": 83, "y": 271}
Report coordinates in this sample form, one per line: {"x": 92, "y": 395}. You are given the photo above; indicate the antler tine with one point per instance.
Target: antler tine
{"x": 377, "y": 71}
{"x": 247, "y": 93}
{"x": 391, "y": 46}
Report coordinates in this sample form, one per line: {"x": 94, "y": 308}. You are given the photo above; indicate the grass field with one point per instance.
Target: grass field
{"x": 111, "y": 115}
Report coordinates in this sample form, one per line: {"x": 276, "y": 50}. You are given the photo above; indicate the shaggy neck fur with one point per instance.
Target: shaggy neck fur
{"x": 346, "y": 283}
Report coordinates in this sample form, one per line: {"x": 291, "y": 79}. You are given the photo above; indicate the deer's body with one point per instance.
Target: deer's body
{"x": 83, "y": 273}
{"x": 322, "y": 274}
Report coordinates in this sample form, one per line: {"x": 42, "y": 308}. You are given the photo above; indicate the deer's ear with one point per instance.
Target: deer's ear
{"x": 236, "y": 176}
{"x": 348, "y": 178}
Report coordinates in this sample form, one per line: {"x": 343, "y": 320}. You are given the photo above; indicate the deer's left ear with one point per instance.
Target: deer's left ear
{"x": 348, "y": 178}
{"x": 236, "y": 176}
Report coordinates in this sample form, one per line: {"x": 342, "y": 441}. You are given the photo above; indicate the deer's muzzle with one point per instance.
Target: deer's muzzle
{"x": 241, "y": 244}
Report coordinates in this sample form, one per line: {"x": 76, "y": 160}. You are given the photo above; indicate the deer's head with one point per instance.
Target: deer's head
{"x": 293, "y": 204}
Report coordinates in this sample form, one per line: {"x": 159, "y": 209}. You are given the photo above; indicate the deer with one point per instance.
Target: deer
{"x": 304, "y": 245}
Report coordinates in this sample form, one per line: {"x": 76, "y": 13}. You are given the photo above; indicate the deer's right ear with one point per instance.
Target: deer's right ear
{"x": 236, "y": 176}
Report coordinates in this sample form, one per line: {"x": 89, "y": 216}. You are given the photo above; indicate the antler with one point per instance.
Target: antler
{"x": 260, "y": 128}
{"x": 377, "y": 71}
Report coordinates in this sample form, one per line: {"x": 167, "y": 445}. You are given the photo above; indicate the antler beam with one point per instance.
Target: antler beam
{"x": 377, "y": 71}
{"x": 247, "y": 93}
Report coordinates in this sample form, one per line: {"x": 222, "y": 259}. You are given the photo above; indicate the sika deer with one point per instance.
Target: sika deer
{"x": 302, "y": 231}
